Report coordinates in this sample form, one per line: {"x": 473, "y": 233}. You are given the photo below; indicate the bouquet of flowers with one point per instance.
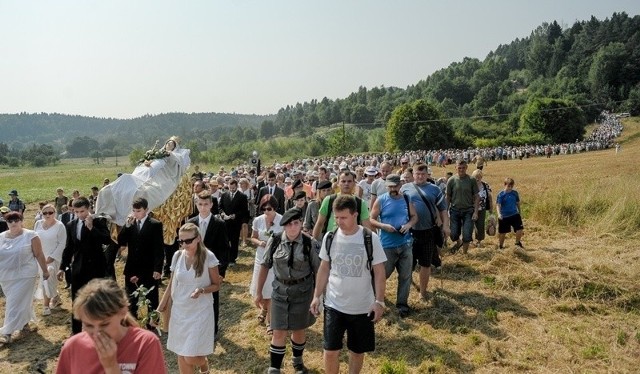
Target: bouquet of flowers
{"x": 154, "y": 153}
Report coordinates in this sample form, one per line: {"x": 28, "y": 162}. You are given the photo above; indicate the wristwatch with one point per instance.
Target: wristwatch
{"x": 381, "y": 303}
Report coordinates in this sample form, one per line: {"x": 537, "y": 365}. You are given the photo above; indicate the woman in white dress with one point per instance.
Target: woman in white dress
{"x": 154, "y": 179}
{"x": 53, "y": 237}
{"x": 194, "y": 276}
{"x": 264, "y": 226}
{"x": 20, "y": 256}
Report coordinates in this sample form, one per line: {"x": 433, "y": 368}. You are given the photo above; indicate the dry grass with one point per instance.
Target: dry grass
{"x": 568, "y": 303}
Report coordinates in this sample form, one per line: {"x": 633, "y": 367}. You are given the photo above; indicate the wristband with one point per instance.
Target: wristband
{"x": 202, "y": 291}
{"x": 381, "y": 303}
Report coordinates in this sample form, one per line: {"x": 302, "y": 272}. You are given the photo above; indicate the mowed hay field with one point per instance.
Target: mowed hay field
{"x": 569, "y": 302}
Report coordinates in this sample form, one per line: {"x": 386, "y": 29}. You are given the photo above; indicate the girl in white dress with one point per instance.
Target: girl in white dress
{"x": 264, "y": 226}
{"x": 20, "y": 256}
{"x": 194, "y": 276}
{"x": 53, "y": 237}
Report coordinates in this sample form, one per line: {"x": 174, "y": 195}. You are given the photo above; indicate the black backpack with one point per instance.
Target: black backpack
{"x": 368, "y": 245}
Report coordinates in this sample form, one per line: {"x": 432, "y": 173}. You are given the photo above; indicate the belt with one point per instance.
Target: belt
{"x": 291, "y": 282}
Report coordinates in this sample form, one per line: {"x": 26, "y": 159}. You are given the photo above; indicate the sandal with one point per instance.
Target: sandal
{"x": 262, "y": 316}
{"x": 269, "y": 330}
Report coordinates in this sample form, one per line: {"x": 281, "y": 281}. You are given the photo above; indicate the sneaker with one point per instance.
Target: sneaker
{"x": 300, "y": 369}
{"x": 519, "y": 244}
{"x": 55, "y": 302}
{"x": 46, "y": 311}
{"x": 479, "y": 245}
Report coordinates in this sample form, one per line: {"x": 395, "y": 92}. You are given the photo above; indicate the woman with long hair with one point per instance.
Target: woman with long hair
{"x": 20, "y": 257}
{"x": 194, "y": 276}
{"x": 264, "y": 226}
{"x": 110, "y": 341}
{"x": 53, "y": 237}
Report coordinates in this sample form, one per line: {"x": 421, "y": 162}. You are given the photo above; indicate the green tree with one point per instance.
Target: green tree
{"x": 267, "y": 129}
{"x": 417, "y": 125}
{"x": 82, "y": 146}
{"x": 557, "y": 120}
{"x": 361, "y": 114}
{"x": 607, "y": 72}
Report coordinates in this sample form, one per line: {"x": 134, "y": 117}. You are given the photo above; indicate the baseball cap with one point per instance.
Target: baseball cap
{"x": 392, "y": 180}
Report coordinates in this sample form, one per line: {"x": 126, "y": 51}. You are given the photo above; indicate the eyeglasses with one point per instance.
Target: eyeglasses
{"x": 186, "y": 241}
{"x": 267, "y": 209}
{"x": 13, "y": 220}
{"x": 48, "y": 213}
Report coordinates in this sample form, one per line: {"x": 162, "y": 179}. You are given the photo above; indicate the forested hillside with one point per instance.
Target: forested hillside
{"x": 593, "y": 65}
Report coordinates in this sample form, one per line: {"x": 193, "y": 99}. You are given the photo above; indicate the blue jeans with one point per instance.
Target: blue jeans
{"x": 400, "y": 258}
{"x": 461, "y": 220}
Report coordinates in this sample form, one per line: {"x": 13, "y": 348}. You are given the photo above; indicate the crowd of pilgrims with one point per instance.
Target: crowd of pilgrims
{"x": 245, "y": 223}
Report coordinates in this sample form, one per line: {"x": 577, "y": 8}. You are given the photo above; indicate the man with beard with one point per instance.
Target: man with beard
{"x": 394, "y": 216}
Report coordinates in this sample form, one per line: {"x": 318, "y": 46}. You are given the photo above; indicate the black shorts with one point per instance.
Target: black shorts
{"x": 506, "y": 223}
{"x": 424, "y": 248}
{"x": 361, "y": 336}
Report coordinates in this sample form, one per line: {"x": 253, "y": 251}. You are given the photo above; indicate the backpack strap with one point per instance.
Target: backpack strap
{"x": 275, "y": 242}
{"x": 327, "y": 243}
{"x": 406, "y": 200}
{"x": 368, "y": 246}
{"x": 306, "y": 250}
{"x": 332, "y": 198}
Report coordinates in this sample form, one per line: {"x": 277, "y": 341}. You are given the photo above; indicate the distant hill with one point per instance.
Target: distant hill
{"x": 18, "y": 130}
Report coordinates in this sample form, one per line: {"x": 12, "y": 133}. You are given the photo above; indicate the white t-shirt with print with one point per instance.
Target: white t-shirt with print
{"x": 349, "y": 289}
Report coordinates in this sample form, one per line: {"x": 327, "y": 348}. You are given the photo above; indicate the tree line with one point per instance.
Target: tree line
{"x": 35, "y": 155}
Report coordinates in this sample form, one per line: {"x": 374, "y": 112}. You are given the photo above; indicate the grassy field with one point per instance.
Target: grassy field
{"x": 569, "y": 302}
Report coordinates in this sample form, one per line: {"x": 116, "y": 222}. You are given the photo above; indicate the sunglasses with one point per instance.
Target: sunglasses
{"x": 48, "y": 213}
{"x": 186, "y": 241}
{"x": 267, "y": 209}
{"x": 13, "y": 220}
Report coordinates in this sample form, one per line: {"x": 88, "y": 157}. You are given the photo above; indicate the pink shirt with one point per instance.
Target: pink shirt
{"x": 139, "y": 351}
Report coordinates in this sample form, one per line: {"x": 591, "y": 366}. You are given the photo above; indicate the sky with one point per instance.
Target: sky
{"x": 125, "y": 59}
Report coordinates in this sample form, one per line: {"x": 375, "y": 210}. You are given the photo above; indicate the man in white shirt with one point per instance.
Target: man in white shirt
{"x": 351, "y": 305}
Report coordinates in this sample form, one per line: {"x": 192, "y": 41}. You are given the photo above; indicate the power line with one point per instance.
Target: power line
{"x": 481, "y": 117}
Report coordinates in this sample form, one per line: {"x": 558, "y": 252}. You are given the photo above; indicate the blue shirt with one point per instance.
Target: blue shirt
{"x": 394, "y": 212}
{"x": 433, "y": 194}
{"x": 508, "y": 203}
